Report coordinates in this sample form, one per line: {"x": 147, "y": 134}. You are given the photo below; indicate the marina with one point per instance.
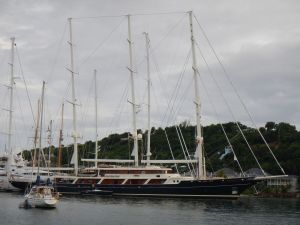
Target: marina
{"x": 149, "y": 116}
{"x": 143, "y": 178}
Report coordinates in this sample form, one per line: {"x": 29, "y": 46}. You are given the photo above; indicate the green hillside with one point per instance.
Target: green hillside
{"x": 283, "y": 139}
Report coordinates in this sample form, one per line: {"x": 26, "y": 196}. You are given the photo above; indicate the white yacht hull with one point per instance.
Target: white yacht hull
{"x": 41, "y": 202}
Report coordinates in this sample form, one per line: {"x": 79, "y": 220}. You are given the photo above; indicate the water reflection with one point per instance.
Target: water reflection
{"x": 113, "y": 210}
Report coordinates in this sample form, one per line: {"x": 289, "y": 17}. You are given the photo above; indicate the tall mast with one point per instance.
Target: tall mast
{"x": 75, "y": 135}
{"x": 60, "y": 136}
{"x": 36, "y": 133}
{"x": 134, "y": 135}
{"x": 199, "y": 138}
{"x": 149, "y": 102}
{"x": 96, "y": 119}
{"x": 11, "y": 87}
{"x": 49, "y": 143}
{"x": 41, "y": 126}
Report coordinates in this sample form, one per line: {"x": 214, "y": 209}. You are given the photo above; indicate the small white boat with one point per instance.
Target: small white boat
{"x": 42, "y": 197}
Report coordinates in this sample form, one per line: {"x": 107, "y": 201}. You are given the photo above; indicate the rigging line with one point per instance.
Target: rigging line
{"x": 174, "y": 94}
{"x": 155, "y": 46}
{"x": 137, "y": 14}
{"x": 215, "y": 111}
{"x": 186, "y": 149}
{"x": 19, "y": 134}
{"x": 57, "y": 114}
{"x": 56, "y": 129}
{"x": 26, "y": 88}
{"x": 183, "y": 99}
{"x": 121, "y": 110}
{"x": 58, "y": 50}
{"x": 157, "y": 105}
{"x": 158, "y": 71}
{"x": 20, "y": 109}
{"x": 171, "y": 151}
{"x": 208, "y": 161}
{"x": 120, "y": 106}
{"x": 158, "y": 13}
{"x": 100, "y": 44}
{"x": 3, "y": 99}
{"x": 97, "y": 17}
{"x": 16, "y": 134}
{"x": 87, "y": 101}
{"x": 124, "y": 95}
{"x": 4, "y": 57}
{"x": 232, "y": 114}
{"x": 169, "y": 145}
{"x": 172, "y": 110}
{"x": 165, "y": 132}
{"x": 183, "y": 150}
{"x": 238, "y": 95}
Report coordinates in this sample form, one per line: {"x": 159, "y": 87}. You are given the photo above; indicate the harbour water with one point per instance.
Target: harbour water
{"x": 108, "y": 210}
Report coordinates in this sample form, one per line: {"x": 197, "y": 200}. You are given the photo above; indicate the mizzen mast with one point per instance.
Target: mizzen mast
{"x": 201, "y": 172}
{"x": 148, "y": 154}
{"x": 11, "y": 86}
{"x": 134, "y": 111}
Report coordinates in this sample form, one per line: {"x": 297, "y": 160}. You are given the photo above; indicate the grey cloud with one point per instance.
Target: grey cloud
{"x": 257, "y": 42}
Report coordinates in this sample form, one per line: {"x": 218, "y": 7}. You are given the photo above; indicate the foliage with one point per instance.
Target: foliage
{"x": 283, "y": 139}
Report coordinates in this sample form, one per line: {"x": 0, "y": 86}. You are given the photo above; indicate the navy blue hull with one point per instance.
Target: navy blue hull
{"x": 227, "y": 188}
{"x": 197, "y": 188}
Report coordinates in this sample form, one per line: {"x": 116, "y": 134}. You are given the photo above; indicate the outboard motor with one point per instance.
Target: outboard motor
{"x": 48, "y": 183}
{"x": 38, "y": 180}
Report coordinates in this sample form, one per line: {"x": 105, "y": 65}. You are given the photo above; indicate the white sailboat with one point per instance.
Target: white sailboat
{"x": 41, "y": 195}
{"x": 12, "y": 165}
{"x": 10, "y": 162}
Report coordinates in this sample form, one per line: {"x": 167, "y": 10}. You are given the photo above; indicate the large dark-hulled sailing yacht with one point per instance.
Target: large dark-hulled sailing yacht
{"x": 143, "y": 178}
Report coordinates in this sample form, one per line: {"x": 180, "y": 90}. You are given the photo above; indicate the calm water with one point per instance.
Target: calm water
{"x": 139, "y": 211}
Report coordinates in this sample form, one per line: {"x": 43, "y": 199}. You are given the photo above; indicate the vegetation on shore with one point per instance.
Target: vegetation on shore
{"x": 283, "y": 139}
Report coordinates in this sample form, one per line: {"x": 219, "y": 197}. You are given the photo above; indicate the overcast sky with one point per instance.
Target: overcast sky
{"x": 257, "y": 42}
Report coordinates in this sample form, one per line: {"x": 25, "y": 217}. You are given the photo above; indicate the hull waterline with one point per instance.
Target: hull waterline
{"x": 215, "y": 188}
